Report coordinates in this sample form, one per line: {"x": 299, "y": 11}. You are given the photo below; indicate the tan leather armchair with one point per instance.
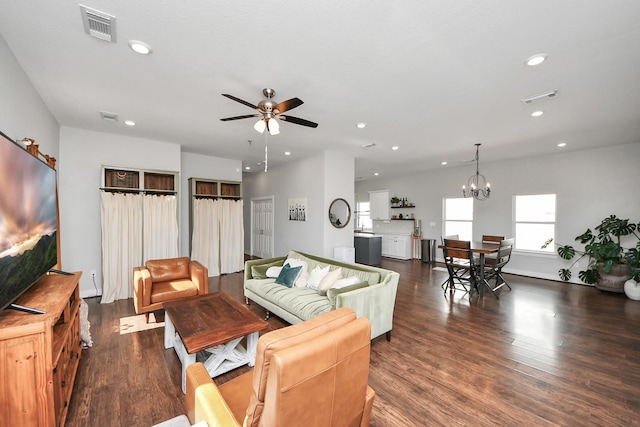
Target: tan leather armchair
{"x": 163, "y": 280}
{"x": 311, "y": 374}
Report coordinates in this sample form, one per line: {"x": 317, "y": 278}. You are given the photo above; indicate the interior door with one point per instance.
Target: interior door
{"x": 262, "y": 227}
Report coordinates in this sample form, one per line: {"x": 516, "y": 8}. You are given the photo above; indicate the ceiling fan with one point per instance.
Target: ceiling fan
{"x": 269, "y": 112}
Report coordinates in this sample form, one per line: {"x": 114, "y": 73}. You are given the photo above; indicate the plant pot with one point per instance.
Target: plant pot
{"x": 632, "y": 289}
{"x": 614, "y": 280}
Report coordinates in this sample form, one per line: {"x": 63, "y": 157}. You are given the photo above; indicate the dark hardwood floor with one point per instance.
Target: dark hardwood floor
{"x": 545, "y": 353}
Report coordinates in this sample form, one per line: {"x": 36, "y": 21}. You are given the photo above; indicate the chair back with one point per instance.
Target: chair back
{"x": 495, "y": 240}
{"x": 504, "y": 251}
{"x": 312, "y": 373}
{"x": 456, "y": 250}
{"x": 449, "y": 237}
{"x": 164, "y": 270}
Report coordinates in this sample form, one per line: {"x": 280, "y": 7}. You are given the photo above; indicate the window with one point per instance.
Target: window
{"x": 535, "y": 221}
{"x": 458, "y": 217}
{"x": 363, "y": 216}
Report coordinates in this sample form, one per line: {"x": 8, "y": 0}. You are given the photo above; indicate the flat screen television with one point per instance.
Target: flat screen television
{"x": 28, "y": 220}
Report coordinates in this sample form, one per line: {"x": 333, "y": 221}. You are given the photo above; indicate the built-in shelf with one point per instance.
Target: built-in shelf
{"x": 402, "y": 207}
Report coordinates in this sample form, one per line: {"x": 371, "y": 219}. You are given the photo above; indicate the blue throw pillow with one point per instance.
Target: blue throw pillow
{"x": 288, "y": 275}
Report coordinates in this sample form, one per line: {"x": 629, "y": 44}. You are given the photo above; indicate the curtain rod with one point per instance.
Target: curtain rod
{"x": 131, "y": 190}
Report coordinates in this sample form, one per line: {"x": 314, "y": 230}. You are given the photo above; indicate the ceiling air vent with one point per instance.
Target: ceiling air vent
{"x": 110, "y": 117}
{"x": 540, "y": 97}
{"x": 98, "y": 24}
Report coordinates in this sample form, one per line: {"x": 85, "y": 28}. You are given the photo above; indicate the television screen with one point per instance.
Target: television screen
{"x": 28, "y": 220}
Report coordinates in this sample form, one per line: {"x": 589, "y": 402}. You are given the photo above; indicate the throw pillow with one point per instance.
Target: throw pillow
{"x": 316, "y": 276}
{"x": 341, "y": 283}
{"x": 273, "y": 272}
{"x": 333, "y": 293}
{"x": 288, "y": 275}
{"x": 301, "y": 281}
{"x": 328, "y": 280}
{"x": 260, "y": 271}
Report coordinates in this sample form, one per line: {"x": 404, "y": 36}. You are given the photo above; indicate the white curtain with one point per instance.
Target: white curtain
{"x": 231, "y": 237}
{"x": 218, "y": 236}
{"x": 160, "y": 231}
{"x": 121, "y": 243}
{"x": 205, "y": 238}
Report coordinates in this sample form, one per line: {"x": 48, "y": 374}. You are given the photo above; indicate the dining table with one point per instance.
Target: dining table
{"x": 481, "y": 249}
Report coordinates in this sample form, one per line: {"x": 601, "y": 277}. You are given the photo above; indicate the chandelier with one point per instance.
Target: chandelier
{"x": 479, "y": 188}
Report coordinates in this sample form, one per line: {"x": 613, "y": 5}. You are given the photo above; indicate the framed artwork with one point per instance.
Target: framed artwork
{"x": 297, "y": 209}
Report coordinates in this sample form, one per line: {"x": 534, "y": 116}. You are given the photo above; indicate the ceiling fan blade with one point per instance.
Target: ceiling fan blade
{"x": 248, "y": 104}
{"x": 241, "y": 117}
{"x": 287, "y": 105}
{"x": 298, "y": 121}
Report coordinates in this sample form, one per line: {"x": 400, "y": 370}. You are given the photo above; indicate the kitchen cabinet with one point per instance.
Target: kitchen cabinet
{"x": 380, "y": 204}
{"x": 368, "y": 249}
{"x": 396, "y": 246}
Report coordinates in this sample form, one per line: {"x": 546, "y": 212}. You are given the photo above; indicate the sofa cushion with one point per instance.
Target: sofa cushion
{"x": 174, "y": 289}
{"x": 260, "y": 271}
{"x": 303, "y": 303}
{"x": 288, "y": 275}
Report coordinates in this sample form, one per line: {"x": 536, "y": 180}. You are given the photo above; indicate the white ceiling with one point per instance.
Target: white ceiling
{"x": 432, "y": 77}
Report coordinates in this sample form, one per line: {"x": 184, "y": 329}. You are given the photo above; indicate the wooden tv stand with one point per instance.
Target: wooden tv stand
{"x": 40, "y": 353}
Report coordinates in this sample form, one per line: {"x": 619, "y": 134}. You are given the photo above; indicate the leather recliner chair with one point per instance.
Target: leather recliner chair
{"x": 163, "y": 280}
{"x": 311, "y": 374}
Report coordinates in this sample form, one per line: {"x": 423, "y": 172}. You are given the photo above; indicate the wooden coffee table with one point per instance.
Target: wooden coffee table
{"x": 212, "y": 325}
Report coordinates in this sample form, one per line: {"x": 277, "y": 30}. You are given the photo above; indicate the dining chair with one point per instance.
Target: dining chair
{"x": 444, "y": 284}
{"x": 488, "y": 239}
{"x": 460, "y": 264}
{"x": 494, "y": 270}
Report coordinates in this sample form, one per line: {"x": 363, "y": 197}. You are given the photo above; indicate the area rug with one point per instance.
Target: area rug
{"x": 138, "y": 323}
{"x": 439, "y": 269}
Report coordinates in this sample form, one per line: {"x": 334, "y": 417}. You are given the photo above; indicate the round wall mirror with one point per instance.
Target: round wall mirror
{"x": 339, "y": 213}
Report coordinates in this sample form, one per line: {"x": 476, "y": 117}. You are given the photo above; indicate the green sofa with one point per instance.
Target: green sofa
{"x": 375, "y": 302}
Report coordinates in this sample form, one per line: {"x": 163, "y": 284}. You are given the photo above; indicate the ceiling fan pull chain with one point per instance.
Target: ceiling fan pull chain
{"x": 266, "y": 151}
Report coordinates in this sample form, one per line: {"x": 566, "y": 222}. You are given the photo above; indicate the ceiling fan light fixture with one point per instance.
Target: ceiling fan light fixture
{"x": 260, "y": 125}
{"x": 274, "y": 127}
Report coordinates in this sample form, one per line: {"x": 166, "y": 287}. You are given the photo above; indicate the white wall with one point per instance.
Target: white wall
{"x": 207, "y": 167}
{"x": 590, "y": 185}
{"x": 82, "y": 155}
{"x": 320, "y": 179}
{"x": 22, "y": 111}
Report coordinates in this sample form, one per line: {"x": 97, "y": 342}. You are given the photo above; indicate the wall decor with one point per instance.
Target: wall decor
{"x": 298, "y": 209}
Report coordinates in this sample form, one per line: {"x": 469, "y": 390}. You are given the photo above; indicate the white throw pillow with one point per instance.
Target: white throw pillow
{"x": 328, "y": 280}
{"x": 316, "y": 276}
{"x": 301, "y": 280}
{"x": 347, "y": 281}
{"x": 273, "y": 272}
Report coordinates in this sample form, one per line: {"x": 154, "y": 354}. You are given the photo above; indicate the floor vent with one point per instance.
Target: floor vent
{"x": 540, "y": 97}
{"x": 98, "y": 24}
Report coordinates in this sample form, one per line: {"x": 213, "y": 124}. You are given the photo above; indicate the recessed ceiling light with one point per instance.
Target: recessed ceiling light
{"x": 536, "y": 59}
{"x": 395, "y": 147}
{"x": 129, "y": 123}
{"x": 562, "y": 144}
{"x": 376, "y": 174}
{"x": 287, "y": 153}
{"x": 537, "y": 113}
{"x": 361, "y": 125}
{"x": 443, "y": 163}
{"x": 248, "y": 168}
{"x": 140, "y": 47}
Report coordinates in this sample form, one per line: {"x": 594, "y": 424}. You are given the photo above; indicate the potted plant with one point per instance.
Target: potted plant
{"x": 610, "y": 265}
{"x": 395, "y": 201}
